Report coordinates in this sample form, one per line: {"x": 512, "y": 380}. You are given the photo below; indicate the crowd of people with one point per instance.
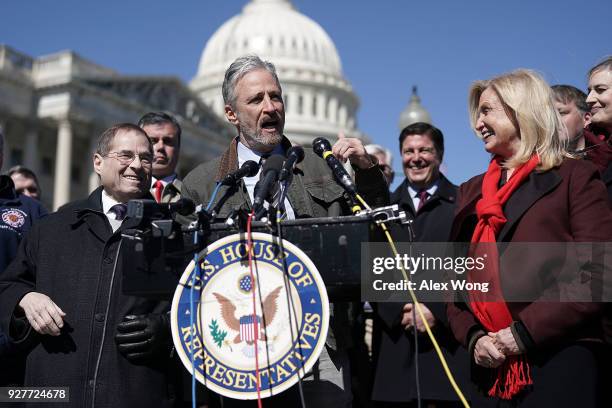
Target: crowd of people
{"x": 64, "y": 320}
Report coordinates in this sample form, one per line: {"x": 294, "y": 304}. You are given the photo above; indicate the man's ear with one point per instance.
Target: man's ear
{"x": 231, "y": 116}
{"x": 97, "y": 163}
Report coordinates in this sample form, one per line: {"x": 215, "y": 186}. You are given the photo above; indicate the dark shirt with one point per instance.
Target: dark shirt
{"x": 17, "y": 213}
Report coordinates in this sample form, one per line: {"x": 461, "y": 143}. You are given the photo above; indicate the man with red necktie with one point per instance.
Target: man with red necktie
{"x": 165, "y": 134}
{"x": 428, "y": 198}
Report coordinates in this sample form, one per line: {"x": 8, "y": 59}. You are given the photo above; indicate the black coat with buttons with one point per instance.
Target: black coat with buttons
{"x": 394, "y": 348}
{"x": 70, "y": 256}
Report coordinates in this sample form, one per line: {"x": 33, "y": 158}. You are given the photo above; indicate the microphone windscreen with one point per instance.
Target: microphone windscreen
{"x": 320, "y": 145}
{"x": 298, "y": 151}
{"x": 252, "y": 167}
{"x": 274, "y": 162}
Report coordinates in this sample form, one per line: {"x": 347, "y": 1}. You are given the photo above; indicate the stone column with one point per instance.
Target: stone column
{"x": 31, "y": 151}
{"x": 307, "y": 103}
{"x": 321, "y": 106}
{"x": 333, "y": 110}
{"x": 63, "y": 164}
{"x": 291, "y": 106}
{"x": 342, "y": 116}
{"x": 94, "y": 179}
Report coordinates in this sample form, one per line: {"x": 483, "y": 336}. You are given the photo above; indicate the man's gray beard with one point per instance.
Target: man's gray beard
{"x": 258, "y": 140}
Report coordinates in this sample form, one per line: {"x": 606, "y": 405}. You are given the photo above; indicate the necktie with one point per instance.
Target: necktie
{"x": 159, "y": 188}
{"x": 120, "y": 211}
{"x": 423, "y": 195}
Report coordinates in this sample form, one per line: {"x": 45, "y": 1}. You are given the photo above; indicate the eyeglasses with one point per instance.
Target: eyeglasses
{"x": 125, "y": 158}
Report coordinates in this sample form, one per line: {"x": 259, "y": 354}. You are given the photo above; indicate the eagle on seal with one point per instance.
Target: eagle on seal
{"x": 228, "y": 310}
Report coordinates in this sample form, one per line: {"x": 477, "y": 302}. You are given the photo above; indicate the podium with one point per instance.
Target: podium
{"x": 152, "y": 265}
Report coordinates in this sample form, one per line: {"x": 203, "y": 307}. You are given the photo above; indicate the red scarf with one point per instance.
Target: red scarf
{"x": 514, "y": 374}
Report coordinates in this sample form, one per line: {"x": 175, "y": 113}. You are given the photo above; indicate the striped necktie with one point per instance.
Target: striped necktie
{"x": 423, "y": 196}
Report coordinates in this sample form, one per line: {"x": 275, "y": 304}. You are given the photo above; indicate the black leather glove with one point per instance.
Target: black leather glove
{"x": 142, "y": 338}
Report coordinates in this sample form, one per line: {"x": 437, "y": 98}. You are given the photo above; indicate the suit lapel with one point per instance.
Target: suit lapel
{"x": 401, "y": 197}
{"x": 172, "y": 191}
{"x": 92, "y": 215}
{"x": 468, "y": 207}
{"x": 445, "y": 191}
{"x": 537, "y": 185}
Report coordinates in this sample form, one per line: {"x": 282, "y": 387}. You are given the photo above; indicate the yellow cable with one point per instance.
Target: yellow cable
{"x": 417, "y": 305}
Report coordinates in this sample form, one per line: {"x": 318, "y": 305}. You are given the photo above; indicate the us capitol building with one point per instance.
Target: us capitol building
{"x": 53, "y": 107}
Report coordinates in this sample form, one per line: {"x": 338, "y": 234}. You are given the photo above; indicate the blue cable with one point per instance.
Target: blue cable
{"x": 214, "y": 195}
{"x": 191, "y": 311}
{"x": 196, "y": 272}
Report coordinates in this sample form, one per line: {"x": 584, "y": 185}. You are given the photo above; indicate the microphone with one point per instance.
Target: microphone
{"x": 295, "y": 154}
{"x": 322, "y": 148}
{"x": 248, "y": 169}
{"x": 151, "y": 209}
{"x": 269, "y": 175}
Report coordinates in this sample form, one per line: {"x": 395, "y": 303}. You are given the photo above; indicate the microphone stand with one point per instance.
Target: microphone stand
{"x": 226, "y": 194}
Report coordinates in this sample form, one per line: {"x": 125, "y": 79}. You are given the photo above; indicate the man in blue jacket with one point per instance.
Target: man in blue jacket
{"x": 17, "y": 213}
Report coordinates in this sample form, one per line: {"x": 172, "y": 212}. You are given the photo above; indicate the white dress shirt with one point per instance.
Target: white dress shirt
{"x": 107, "y": 203}
{"x": 414, "y": 194}
{"x": 246, "y": 154}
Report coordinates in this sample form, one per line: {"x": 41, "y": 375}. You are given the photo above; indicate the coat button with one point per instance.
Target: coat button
{"x": 99, "y": 317}
{"x": 90, "y": 383}
{"x": 108, "y": 260}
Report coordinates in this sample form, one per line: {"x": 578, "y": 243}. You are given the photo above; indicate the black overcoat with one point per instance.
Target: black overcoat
{"x": 70, "y": 256}
{"x": 395, "y": 377}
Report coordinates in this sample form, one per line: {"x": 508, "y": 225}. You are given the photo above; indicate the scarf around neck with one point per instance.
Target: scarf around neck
{"x": 514, "y": 374}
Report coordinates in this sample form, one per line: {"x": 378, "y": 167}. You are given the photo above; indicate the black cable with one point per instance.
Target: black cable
{"x": 416, "y": 358}
{"x": 417, "y": 370}
{"x": 290, "y": 308}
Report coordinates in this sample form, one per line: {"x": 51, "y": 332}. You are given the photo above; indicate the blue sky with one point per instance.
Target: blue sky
{"x": 385, "y": 47}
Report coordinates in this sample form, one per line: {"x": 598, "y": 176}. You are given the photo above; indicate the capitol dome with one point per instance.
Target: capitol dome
{"x": 319, "y": 101}
{"x": 414, "y": 112}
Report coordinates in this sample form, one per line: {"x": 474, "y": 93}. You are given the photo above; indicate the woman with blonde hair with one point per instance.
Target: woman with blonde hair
{"x": 536, "y": 352}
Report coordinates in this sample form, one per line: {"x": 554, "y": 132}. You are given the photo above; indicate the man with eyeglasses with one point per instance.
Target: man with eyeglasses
{"x": 428, "y": 198}
{"x": 61, "y": 298}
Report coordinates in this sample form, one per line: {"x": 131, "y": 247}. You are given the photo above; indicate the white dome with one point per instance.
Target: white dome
{"x": 275, "y": 31}
{"x": 414, "y": 112}
{"x": 319, "y": 101}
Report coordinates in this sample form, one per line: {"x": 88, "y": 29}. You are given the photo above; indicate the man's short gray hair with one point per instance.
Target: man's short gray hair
{"x": 375, "y": 148}
{"x": 239, "y": 68}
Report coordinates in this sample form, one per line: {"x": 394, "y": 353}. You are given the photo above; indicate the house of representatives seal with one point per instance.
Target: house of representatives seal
{"x": 234, "y": 347}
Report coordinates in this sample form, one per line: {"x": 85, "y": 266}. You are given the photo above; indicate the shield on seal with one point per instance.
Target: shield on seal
{"x": 236, "y": 343}
{"x": 248, "y": 328}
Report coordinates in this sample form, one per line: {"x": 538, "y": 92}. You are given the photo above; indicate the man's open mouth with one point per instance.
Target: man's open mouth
{"x": 269, "y": 124}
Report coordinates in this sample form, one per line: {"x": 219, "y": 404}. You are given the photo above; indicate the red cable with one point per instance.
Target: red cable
{"x": 250, "y": 249}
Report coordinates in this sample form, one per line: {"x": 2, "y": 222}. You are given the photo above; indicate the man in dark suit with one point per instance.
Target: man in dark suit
{"x": 165, "y": 134}
{"x": 254, "y": 105}
{"x": 61, "y": 297}
{"x": 428, "y": 198}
